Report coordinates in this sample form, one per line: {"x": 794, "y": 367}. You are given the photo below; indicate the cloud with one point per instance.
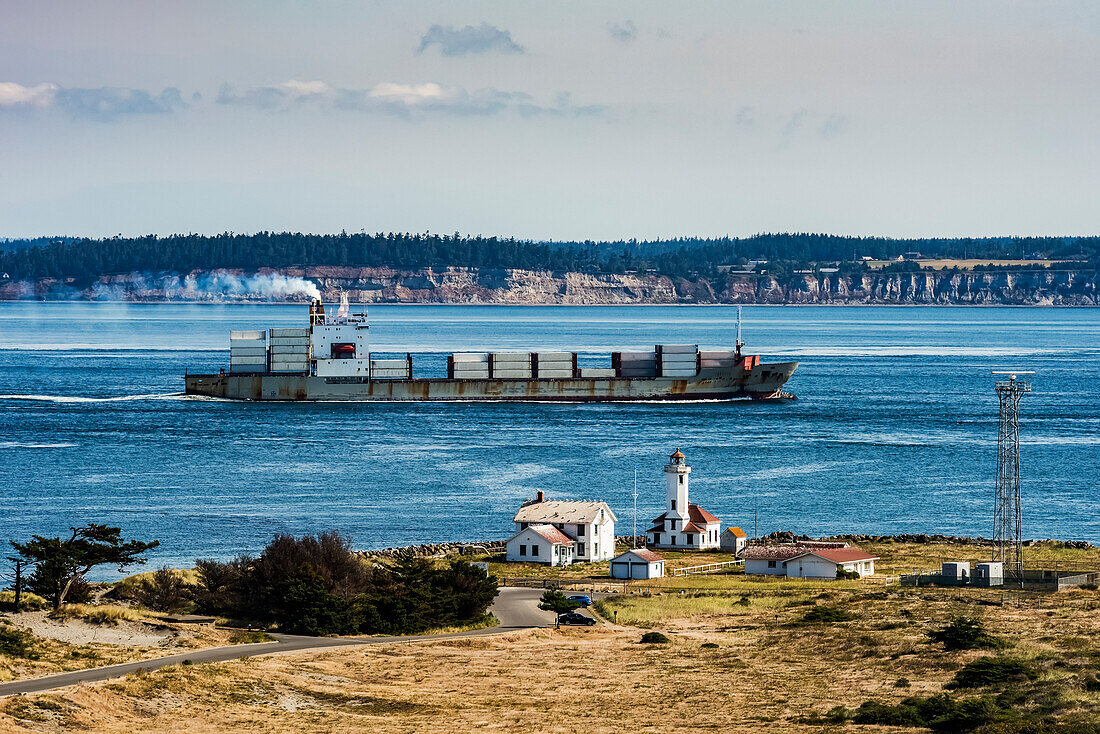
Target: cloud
{"x": 624, "y": 33}
{"x": 16, "y": 95}
{"x": 469, "y": 40}
{"x": 100, "y": 103}
{"x": 833, "y": 126}
{"x": 400, "y": 99}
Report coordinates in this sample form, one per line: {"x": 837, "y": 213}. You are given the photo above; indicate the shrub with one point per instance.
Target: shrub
{"x": 249, "y": 637}
{"x": 654, "y": 638}
{"x": 165, "y": 591}
{"x": 843, "y": 575}
{"x": 901, "y": 683}
{"x": 965, "y": 633}
{"x": 939, "y": 713}
{"x": 825, "y": 615}
{"x": 1091, "y": 684}
{"x": 1090, "y": 587}
{"x": 554, "y": 601}
{"x": 27, "y": 601}
{"x": 989, "y": 671}
{"x": 742, "y": 602}
{"x": 709, "y": 646}
{"x": 17, "y": 643}
{"x": 220, "y": 587}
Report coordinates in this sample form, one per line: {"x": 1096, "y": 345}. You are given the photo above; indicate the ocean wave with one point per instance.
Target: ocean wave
{"x": 24, "y": 445}
{"x": 115, "y": 399}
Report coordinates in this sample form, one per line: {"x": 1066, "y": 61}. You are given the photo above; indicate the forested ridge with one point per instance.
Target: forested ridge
{"x": 86, "y": 259}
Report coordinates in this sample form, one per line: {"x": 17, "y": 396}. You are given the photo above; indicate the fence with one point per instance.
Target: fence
{"x": 706, "y": 568}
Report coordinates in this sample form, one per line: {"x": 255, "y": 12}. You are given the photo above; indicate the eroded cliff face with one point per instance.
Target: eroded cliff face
{"x": 505, "y": 286}
{"x": 459, "y": 285}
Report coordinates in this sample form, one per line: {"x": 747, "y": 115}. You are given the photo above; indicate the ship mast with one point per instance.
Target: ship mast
{"x": 737, "y": 352}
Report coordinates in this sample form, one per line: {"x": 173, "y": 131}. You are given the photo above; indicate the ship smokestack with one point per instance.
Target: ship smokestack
{"x": 342, "y": 312}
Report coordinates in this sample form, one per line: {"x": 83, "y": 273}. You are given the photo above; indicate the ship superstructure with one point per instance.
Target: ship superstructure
{"x": 331, "y": 360}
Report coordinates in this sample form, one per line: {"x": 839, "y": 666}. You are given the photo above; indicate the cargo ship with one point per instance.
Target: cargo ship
{"x": 330, "y": 360}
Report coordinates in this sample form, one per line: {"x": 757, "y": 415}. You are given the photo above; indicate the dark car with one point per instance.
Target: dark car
{"x": 583, "y": 599}
{"x": 572, "y": 618}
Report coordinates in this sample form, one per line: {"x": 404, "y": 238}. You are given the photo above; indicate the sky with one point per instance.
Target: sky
{"x": 550, "y": 120}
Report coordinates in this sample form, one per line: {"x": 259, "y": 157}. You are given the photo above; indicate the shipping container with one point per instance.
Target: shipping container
{"x": 247, "y": 351}
{"x": 678, "y": 373}
{"x": 389, "y": 374}
{"x": 677, "y": 348}
{"x": 555, "y": 374}
{"x": 637, "y": 373}
{"x": 289, "y": 333}
{"x": 252, "y": 335}
{"x": 286, "y": 341}
{"x": 260, "y": 343}
{"x": 554, "y": 357}
{"x": 511, "y": 357}
{"x": 468, "y": 357}
{"x": 249, "y": 359}
{"x": 597, "y": 372}
{"x": 400, "y": 364}
{"x": 298, "y": 351}
{"x": 678, "y": 359}
{"x": 512, "y": 373}
{"x": 729, "y": 354}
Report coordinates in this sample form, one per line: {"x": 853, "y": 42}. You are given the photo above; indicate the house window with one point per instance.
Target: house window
{"x": 580, "y": 549}
{"x": 523, "y": 525}
{"x": 580, "y": 530}
{"x": 673, "y": 540}
{"x": 534, "y": 550}
{"x": 673, "y": 504}
{"x": 656, "y": 539}
{"x": 681, "y": 479}
{"x": 771, "y": 564}
{"x": 523, "y": 550}
{"x": 691, "y": 539}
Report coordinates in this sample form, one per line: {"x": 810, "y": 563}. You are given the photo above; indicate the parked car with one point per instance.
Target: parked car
{"x": 572, "y": 618}
{"x": 583, "y": 599}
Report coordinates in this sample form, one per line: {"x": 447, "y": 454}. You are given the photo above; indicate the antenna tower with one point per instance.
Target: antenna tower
{"x": 1007, "y": 536}
{"x": 634, "y": 534}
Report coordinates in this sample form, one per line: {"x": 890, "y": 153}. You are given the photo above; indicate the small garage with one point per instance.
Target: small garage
{"x": 637, "y": 564}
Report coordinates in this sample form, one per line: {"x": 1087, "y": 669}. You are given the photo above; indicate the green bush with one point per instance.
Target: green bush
{"x": 17, "y": 643}
{"x": 902, "y": 683}
{"x": 965, "y": 633}
{"x": 554, "y": 601}
{"x": 990, "y": 671}
{"x": 709, "y": 646}
{"x": 843, "y": 575}
{"x": 939, "y": 713}
{"x": 654, "y": 638}
{"x": 825, "y": 615}
{"x": 164, "y": 591}
{"x": 1091, "y": 684}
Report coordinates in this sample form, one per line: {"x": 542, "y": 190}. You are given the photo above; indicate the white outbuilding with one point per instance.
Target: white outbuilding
{"x": 733, "y": 540}
{"x": 637, "y": 564}
{"x": 825, "y": 563}
{"x": 540, "y": 544}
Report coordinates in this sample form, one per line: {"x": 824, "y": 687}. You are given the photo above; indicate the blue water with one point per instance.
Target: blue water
{"x": 894, "y": 429}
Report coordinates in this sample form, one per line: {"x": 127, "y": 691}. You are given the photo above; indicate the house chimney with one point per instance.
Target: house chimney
{"x": 539, "y": 496}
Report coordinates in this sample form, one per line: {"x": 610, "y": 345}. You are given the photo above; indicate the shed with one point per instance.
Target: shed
{"x": 733, "y": 540}
{"x": 826, "y": 563}
{"x": 989, "y": 574}
{"x": 958, "y": 571}
{"x": 540, "y": 544}
{"x": 637, "y": 564}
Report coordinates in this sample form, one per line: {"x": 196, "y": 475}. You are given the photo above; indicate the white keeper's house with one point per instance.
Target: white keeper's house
{"x": 683, "y": 526}
{"x": 588, "y": 525}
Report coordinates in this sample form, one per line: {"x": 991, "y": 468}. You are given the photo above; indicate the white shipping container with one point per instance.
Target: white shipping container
{"x": 254, "y": 335}
{"x": 597, "y": 372}
{"x": 248, "y": 343}
{"x": 679, "y": 348}
{"x": 284, "y": 341}
{"x": 712, "y": 363}
{"x": 555, "y": 357}
{"x": 251, "y": 359}
{"x": 289, "y": 366}
{"x": 247, "y": 351}
{"x": 289, "y": 332}
{"x": 687, "y": 361}
{"x": 475, "y": 357}
{"x": 729, "y": 354}
{"x": 555, "y": 374}
{"x": 637, "y": 356}
{"x": 512, "y": 374}
{"x": 678, "y": 373}
{"x": 389, "y": 374}
{"x": 389, "y": 364}
{"x": 511, "y": 357}
{"x": 295, "y": 351}
{"x": 472, "y": 375}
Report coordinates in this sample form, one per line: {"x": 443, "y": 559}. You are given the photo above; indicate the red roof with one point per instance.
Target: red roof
{"x": 700, "y": 516}
{"x": 841, "y": 555}
{"x": 552, "y": 534}
{"x": 787, "y": 551}
{"x": 692, "y": 528}
{"x": 677, "y": 455}
{"x": 643, "y": 553}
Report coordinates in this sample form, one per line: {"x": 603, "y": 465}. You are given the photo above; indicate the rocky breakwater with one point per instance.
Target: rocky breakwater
{"x": 787, "y": 536}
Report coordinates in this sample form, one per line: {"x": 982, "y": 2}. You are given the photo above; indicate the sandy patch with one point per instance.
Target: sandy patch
{"x": 79, "y": 632}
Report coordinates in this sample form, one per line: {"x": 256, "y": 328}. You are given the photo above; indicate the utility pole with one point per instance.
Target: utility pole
{"x": 1007, "y": 526}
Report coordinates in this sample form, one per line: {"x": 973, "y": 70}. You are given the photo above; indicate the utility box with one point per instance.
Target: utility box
{"x": 989, "y": 574}
{"x": 956, "y": 572}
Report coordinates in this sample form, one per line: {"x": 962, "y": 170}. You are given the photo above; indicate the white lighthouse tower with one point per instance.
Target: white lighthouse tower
{"x": 677, "y": 476}
{"x": 683, "y": 526}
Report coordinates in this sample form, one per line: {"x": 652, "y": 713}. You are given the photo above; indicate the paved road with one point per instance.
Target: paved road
{"x": 516, "y": 608}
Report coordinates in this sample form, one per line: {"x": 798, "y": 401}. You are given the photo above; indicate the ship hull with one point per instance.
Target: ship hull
{"x": 763, "y": 381}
